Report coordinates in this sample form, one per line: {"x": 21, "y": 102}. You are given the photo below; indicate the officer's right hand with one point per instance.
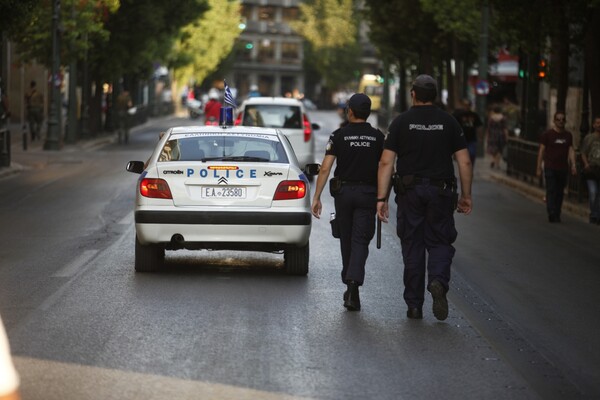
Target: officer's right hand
{"x": 383, "y": 211}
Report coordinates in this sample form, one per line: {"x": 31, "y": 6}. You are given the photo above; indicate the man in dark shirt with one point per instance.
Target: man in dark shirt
{"x": 423, "y": 141}
{"x": 356, "y": 147}
{"x": 470, "y": 123}
{"x": 556, "y": 151}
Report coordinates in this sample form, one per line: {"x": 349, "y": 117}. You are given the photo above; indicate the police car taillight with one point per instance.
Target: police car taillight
{"x": 155, "y": 188}
{"x": 307, "y": 129}
{"x": 290, "y": 190}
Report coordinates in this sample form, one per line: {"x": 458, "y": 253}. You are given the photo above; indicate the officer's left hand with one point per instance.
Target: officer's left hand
{"x": 316, "y": 208}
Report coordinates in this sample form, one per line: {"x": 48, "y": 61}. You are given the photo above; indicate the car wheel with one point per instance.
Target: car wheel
{"x": 296, "y": 260}
{"x": 148, "y": 258}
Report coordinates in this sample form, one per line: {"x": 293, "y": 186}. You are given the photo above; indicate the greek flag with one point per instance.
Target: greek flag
{"x": 228, "y": 99}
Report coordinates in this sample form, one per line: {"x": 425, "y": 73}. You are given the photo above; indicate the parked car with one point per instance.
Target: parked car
{"x": 222, "y": 188}
{"x": 288, "y": 115}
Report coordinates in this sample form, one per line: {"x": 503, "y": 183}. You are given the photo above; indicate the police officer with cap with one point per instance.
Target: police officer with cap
{"x": 356, "y": 147}
{"x": 422, "y": 142}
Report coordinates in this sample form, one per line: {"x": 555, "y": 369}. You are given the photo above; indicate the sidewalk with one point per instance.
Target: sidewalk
{"x": 484, "y": 171}
{"x": 36, "y": 156}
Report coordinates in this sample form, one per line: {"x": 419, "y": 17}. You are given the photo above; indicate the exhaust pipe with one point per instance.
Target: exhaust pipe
{"x": 177, "y": 240}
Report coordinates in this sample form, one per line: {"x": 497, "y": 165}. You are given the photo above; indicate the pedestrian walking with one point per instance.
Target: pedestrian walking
{"x": 497, "y": 135}
{"x": 212, "y": 109}
{"x": 557, "y": 153}
{"x": 590, "y": 156}
{"x": 4, "y": 106}
{"x": 123, "y": 104}
{"x": 356, "y": 148}
{"x": 421, "y": 142}
{"x": 471, "y": 124}
{"x": 34, "y": 101}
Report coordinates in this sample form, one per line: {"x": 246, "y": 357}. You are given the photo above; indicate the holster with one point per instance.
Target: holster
{"x": 335, "y": 185}
{"x": 403, "y": 183}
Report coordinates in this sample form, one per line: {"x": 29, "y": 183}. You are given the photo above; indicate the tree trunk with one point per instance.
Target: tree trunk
{"x": 592, "y": 60}
{"x": 560, "y": 43}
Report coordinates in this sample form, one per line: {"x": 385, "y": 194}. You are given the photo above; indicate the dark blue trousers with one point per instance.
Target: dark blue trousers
{"x": 425, "y": 226}
{"x": 355, "y": 208}
{"x": 556, "y": 180}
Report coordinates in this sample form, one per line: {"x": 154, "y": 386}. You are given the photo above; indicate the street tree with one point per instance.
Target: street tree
{"x": 204, "y": 43}
{"x": 329, "y": 27}
{"x": 406, "y": 35}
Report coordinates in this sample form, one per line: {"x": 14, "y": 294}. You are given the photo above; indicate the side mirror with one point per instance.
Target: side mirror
{"x": 312, "y": 169}
{"x": 136, "y": 167}
{"x": 315, "y": 126}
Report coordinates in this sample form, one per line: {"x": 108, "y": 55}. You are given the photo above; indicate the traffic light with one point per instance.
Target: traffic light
{"x": 542, "y": 69}
{"x": 522, "y": 66}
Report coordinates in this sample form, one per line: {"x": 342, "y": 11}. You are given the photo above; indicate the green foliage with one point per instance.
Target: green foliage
{"x": 461, "y": 18}
{"x": 78, "y": 19}
{"x": 14, "y": 14}
{"x": 403, "y": 30}
{"x": 142, "y": 33}
{"x": 204, "y": 43}
{"x": 329, "y": 26}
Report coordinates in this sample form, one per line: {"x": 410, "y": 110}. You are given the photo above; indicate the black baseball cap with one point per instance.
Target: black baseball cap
{"x": 360, "y": 102}
{"x": 425, "y": 82}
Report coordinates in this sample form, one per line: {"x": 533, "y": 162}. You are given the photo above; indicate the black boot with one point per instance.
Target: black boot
{"x": 352, "y": 301}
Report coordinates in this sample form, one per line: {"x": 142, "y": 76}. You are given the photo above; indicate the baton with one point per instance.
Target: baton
{"x": 378, "y": 233}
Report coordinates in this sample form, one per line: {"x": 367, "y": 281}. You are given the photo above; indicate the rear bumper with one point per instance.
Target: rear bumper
{"x": 211, "y": 230}
{"x": 222, "y": 218}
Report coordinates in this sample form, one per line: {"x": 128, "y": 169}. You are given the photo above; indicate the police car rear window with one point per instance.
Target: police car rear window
{"x": 272, "y": 116}
{"x": 210, "y": 147}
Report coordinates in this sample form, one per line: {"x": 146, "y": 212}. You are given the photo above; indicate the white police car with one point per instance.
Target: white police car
{"x": 286, "y": 114}
{"x": 222, "y": 188}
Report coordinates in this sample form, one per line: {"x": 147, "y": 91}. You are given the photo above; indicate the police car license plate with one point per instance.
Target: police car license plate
{"x": 224, "y": 192}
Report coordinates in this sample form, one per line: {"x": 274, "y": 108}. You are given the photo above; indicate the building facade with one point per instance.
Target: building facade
{"x": 268, "y": 54}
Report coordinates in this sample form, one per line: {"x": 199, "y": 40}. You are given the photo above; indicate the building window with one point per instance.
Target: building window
{"x": 266, "y": 13}
{"x": 247, "y": 12}
{"x": 290, "y": 53}
{"x": 266, "y": 51}
{"x": 290, "y": 14}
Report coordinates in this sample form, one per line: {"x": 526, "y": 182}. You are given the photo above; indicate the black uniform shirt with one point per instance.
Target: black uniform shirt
{"x": 357, "y": 148}
{"x": 425, "y": 138}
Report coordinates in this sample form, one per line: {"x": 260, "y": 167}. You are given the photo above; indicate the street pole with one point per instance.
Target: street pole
{"x": 85, "y": 132}
{"x": 483, "y": 67}
{"x": 71, "y": 134}
{"x": 54, "y": 117}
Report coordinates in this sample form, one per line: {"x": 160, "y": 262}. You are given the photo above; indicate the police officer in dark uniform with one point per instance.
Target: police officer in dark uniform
{"x": 422, "y": 141}
{"x": 357, "y": 148}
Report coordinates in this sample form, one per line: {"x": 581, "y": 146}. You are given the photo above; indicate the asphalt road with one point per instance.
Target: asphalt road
{"x": 229, "y": 325}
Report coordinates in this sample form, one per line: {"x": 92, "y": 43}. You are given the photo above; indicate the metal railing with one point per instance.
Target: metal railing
{"x": 4, "y": 147}
{"x": 521, "y": 163}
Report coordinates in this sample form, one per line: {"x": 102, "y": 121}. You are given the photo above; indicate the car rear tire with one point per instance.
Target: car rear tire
{"x": 296, "y": 260}
{"x": 148, "y": 258}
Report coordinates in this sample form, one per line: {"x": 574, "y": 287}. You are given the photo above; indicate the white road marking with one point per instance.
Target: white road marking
{"x": 74, "y": 266}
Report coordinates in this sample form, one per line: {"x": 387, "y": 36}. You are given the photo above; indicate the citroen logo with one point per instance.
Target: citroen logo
{"x": 222, "y": 180}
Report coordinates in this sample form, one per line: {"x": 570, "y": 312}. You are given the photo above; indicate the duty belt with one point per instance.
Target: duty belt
{"x": 441, "y": 183}
{"x": 358, "y": 183}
